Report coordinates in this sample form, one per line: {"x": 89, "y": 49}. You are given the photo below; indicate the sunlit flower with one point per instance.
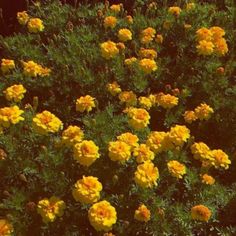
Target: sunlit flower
{"x": 114, "y": 88}
{"x": 147, "y": 35}
{"x": 129, "y": 138}
{"x": 174, "y": 10}
{"x": 7, "y": 65}
{"x": 207, "y": 179}
{"x": 178, "y": 135}
{"x": 203, "y": 111}
{"x": 176, "y": 169}
{"x": 22, "y": 17}
{"x": 167, "y": 101}
{"x": 32, "y": 69}
{"x": 128, "y": 97}
{"x": 124, "y": 35}
{"x": 220, "y": 159}
{"x": 201, "y": 152}
{"x": 147, "y": 53}
{"x": 145, "y": 102}
{"x": 148, "y": 65}
{"x": 102, "y": 216}
{"x": 201, "y": 213}
{"x": 85, "y": 103}
{"x": 189, "y": 116}
{"x": 204, "y": 34}
{"x": 110, "y": 22}
{"x": 15, "y": 93}
{"x": 72, "y": 135}
{"x": 157, "y": 141}
{"x": 50, "y": 208}
{"x": 205, "y": 48}
{"x": 142, "y": 214}
{"x": 221, "y": 47}
{"x": 109, "y": 49}
{"x": 143, "y": 153}
{"x": 35, "y": 25}
{"x": 87, "y": 190}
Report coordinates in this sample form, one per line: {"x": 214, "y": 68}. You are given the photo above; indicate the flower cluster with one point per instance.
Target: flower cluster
{"x": 50, "y": 208}
{"x": 46, "y": 122}
{"x": 32, "y": 69}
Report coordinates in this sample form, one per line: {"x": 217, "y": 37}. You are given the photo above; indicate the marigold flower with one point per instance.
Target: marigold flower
{"x": 201, "y": 151}
{"x": 217, "y": 32}
{"x": 87, "y": 190}
{"x": 124, "y": 35}
{"x": 146, "y": 175}
{"x": 86, "y": 152}
{"x": 72, "y": 135}
{"x": 205, "y": 48}
{"x": 128, "y": 97}
{"x": 35, "y": 25}
{"x": 148, "y": 65}
{"x": 204, "y": 34}
{"x": 139, "y": 118}
{"x": 50, "y": 208}
{"x": 10, "y": 115}
{"x": 203, "y": 111}
{"x": 221, "y": 47}
{"x": 7, "y": 65}
{"x": 129, "y": 138}
{"x": 46, "y": 122}
{"x": 220, "y": 159}
{"x": 178, "y": 135}
{"x": 116, "y": 7}
{"x": 143, "y": 153}
{"x": 147, "y": 35}
{"x": 190, "y": 6}
{"x": 189, "y": 116}
{"x": 157, "y": 141}
{"x": 119, "y": 151}
{"x": 22, "y": 17}
{"x": 32, "y": 69}
{"x": 6, "y": 228}
{"x": 129, "y": 19}
{"x": 200, "y": 212}
{"x": 142, "y": 214}
{"x": 130, "y": 61}
{"x": 167, "y": 101}
{"x": 159, "y": 38}
{"x": 114, "y": 88}
{"x": 15, "y": 93}
{"x": 176, "y": 169}
{"x": 147, "y": 53}
{"x": 120, "y": 46}
{"x": 145, "y": 102}
{"x": 207, "y": 179}
{"x": 102, "y": 215}
{"x": 109, "y": 49}
{"x": 174, "y": 10}
{"x": 85, "y": 103}
{"x": 110, "y": 22}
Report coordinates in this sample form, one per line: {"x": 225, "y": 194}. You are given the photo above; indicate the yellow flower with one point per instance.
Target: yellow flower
{"x": 217, "y": 32}
{"x": 201, "y": 152}
{"x": 114, "y": 88}
{"x": 159, "y": 38}
{"x": 204, "y": 34}
{"x": 109, "y": 49}
{"x": 221, "y": 47}
{"x": 87, "y": 190}
{"x": 148, "y": 65}
{"x": 203, "y": 111}
{"x": 146, "y": 175}
{"x": 130, "y": 61}
{"x": 35, "y": 25}
{"x": 86, "y": 152}
{"x": 143, "y": 153}
{"x": 46, "y": 122}
{"x": 147, "y": 35}
{"x": 157, "y": 141}
{"x": 129, "y": 19}
{"x": 174, "y": 10}
{"x": 10, "y": 115}
{"x": 220, "y": 159}
{"x": 50, "y": 208}
{"x": 145, "y": 102}
{"x": 22, "y": 17}
{"x": 102, "y": 216}
{"x": 190, "y": 6}
{"x": 207, "y": 179}
{"x": 110, "y": 22}
{"x": 176, "y": 169}
{"x": 33, "y": 69}
{"x": 119, "y": 151}
{"x": 178, "y": 135}
{"x": 7, "y": 65}
{"x": 15, "y": 93}
{"x": 189, "y": 116}
{"x": 167, "y": 101}
{"x": 85, "y": 103}
{"x": 6, "y": 228}
{"x": 147, "y": 53}
{"x": 124, "y": 35}
{"x": 200, "y": 212}
{"x": 205, "y": 48}
{"x": 129, "y": 138}
{"x": 142, "y": 214}
{"x": 128, "y": 97}
{"x": 116, "y": 7}
{"x": 72, "y": 135}
{"x": 139, "y": 118}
